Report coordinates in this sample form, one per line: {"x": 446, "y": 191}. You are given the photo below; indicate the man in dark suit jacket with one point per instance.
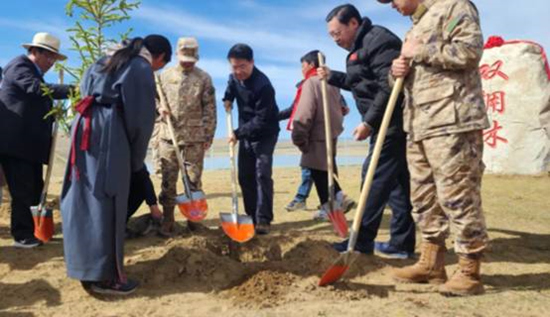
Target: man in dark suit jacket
{"x": 25, "y": 133}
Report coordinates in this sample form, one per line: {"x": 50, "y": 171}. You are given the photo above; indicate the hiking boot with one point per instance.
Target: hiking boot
{"x": 295, "y": 205}
{"x": 263, "y": 228}
{"x": 466, "y": 280}
{"x": 389, "y": 251}
{"x": 167, "y": 228}
{"x": 430, "y": 268}
{"x": 28, "y": 243}
{"x": 359, "y": 247}
{"x": 114, "y": 288}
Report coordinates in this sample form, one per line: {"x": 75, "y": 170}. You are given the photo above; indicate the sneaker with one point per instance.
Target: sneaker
{"x": 110, "y": 288}
{"x": 263, "y": 228}
{"x": 296, "y": 205}
{"x": 387, "y": 250}
{"x": 321, "y": 215}
{"x": 343, "y": 247}
{"x": 347, "y": 204}
{"x": 28, "y": 243}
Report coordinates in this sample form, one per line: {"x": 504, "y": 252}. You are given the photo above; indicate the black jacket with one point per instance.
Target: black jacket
{"x": 367, "y": 68}
{"x": 257, "y": 106}
{"x": 24, "y": 132}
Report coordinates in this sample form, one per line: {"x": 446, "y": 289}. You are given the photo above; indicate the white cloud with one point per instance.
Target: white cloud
{"x": 55, "y": 27}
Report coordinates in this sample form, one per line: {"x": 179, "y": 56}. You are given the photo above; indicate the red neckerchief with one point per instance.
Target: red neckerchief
{"x": 83, "y": 107}
{"x": 312, "y": 72}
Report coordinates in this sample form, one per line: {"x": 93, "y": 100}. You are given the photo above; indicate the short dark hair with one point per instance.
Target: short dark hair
{"x": 311, "y": 58}
{"x": 241, "y": 51}
{"x": 157, "y": 44}
{"x": 344, "y": 13}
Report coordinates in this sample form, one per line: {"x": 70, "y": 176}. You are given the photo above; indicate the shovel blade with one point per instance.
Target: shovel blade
{"x": 338, "y": 268}
{"x": 339, "y": 222}
{"x": 43, "y": 223}
{"x": 238, "y": 228}
{"x": 195, "y": 209}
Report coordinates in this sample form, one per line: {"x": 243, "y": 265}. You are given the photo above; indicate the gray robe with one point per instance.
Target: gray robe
{"x": 94, "y": 205}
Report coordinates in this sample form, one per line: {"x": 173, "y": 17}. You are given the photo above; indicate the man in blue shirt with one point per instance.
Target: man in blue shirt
{"x": 257, "y": 133}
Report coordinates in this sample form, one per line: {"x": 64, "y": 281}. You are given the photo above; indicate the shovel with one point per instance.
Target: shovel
{"x": 239, "y": 228}
{"x": 335, "y": 214}
{"x": 42, "y": 215}
{"x": 192, "y": 204}
{"x": 346, "y": 259}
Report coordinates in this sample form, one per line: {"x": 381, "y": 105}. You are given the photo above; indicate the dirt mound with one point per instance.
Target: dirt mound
{"x": 263, "y": 289}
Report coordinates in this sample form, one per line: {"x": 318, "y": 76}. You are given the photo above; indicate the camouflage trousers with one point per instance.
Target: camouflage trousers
{"x": 446, "y": 174}
{"x": 166, "y": 164}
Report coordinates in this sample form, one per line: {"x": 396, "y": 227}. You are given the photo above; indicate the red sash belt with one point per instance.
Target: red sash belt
{"x": 83, "y": 107}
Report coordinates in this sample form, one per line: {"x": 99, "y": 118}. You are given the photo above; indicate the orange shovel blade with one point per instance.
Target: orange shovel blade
{"x": 339, "y": 222}
{"x": 43, "y": 224}
{"x": 238, "y": 228}
{"x": 194, "y": 210}
{"x": 238, "y": 232}
{"x": 338, "y": 268}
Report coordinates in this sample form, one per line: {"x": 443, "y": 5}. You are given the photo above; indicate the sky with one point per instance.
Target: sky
{"x": 280, "y": 32}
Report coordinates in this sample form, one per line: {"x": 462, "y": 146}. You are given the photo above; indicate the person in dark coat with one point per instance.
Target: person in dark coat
{"x": 257, "y": 133}
{"x": 372, "y": 49}
{"x": 119, "y": 103}
{"x": 26, "y": 132}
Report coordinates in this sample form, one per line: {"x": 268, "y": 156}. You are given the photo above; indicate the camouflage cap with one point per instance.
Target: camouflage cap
{"x": 188, "y": 49}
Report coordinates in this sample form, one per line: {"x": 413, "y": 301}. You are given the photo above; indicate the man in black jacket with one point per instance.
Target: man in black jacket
{"x": 372, "y": 49}
{"x": 25, "y": 133}
{"x": 257, "y": 133}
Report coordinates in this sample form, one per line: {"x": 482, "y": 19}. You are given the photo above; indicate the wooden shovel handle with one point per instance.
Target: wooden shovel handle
{"x": 374, "y": 162}
{"x": 328, "y": 135}
{"x": 235, "y": 204}
{"x": 179, "y": 157}
{"x": 49, "y": 170}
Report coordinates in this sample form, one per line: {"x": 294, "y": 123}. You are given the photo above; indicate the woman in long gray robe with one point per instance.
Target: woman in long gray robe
{"x": 120, "y": 93}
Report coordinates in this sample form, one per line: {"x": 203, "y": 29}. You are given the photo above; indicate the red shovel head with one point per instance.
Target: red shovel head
{"x": 338, "y": 268}
{"x": 194, "y": 209}
{"x": 238, "y": 228}
{"x": 43, "y": 223}
{"x": 339, "y": 222}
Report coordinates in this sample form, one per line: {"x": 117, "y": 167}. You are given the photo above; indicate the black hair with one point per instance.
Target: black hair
{"x": 311, "y": 58}
{"x": 344, "y": 13}
{"x": 241, "y": 51}
{"x": 155, "y": 44}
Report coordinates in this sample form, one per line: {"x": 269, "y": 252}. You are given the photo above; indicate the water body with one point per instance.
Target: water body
{"x": 218, "y": 163}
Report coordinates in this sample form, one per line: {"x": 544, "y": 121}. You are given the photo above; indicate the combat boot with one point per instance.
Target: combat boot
{"x": 466, "y": 280}
{"x": 167, "y": 227}
{"x": 430, "y": 268}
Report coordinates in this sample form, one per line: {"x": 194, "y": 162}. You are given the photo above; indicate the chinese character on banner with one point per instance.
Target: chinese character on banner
{"x": 489, "y": 72}
{"x": 491, "y": 137}
{"x": 495, "y": 101}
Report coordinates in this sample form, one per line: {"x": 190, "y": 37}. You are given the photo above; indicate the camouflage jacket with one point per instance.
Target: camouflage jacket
{"x": 443, "y": 90}
{"x": 192, "y": 102}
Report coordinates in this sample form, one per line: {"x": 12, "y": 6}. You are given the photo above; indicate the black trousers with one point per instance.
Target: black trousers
{"x": 141, "y": 189}
{"x": 320, "y": 179}
{"x": 25, "y": 184}
{"x": 255, "y": 177}
{"x": 391, "y": 186}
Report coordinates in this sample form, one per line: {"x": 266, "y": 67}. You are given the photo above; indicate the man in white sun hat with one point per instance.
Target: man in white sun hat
{"x": 25, "y": 132}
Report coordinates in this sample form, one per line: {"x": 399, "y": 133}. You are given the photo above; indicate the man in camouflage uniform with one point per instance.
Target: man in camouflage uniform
{"x": 191, "y": 101}
{"x": 444, "y": 116}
